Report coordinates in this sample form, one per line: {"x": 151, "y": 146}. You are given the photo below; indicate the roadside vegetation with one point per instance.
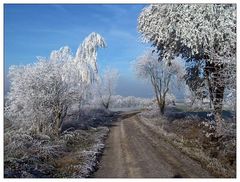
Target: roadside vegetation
{"x": 51, "y": 129}
{"x": 192, "y": 132}
{"x": 58, "y": 110}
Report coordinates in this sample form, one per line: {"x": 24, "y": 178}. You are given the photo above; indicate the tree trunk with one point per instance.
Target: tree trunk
{"x": 162, "y": 107}
{"x": 40, "y": 127}
{"x": 59, "y": 116}
{"x": 210, "y": 103}
{"x": 79, "y": 109}
{"x": 217, "y": 103}
{"x": 58, "y": 124}
{"x": 106, "y": 105}
{"x": 216, "y": 92}
{"x": 219, "y": 128}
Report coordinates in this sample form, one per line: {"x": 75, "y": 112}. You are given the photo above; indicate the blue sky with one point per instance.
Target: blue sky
{"x": 36, "y": 30}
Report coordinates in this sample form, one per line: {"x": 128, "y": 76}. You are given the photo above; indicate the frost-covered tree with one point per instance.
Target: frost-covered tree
{"x": 86, "y": 57}
{"x": 106, "y": 86}
{"x": 159, "y": 73}
{"x": 200, "y": 32}
{"x": 41, "y": 93}
{"x": 38, "y": 96}
{"x": 85, "y": 63}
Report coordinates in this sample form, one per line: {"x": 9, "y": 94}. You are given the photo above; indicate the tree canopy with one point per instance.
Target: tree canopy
{"x": 193, "y": 30}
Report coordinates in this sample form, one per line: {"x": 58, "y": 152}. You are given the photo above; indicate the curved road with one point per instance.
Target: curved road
{"x": 132, "y": 150}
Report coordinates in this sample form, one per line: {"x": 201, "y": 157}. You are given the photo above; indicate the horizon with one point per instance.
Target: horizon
{"x": 32, "y": 30}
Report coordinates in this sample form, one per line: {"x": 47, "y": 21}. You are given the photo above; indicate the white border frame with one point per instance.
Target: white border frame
{"x": 106, "y": 2}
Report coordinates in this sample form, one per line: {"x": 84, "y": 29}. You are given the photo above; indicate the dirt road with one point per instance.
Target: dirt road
{"x": 132, "y": 150}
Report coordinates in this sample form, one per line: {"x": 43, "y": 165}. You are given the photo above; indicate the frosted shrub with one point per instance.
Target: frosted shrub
{"x": 42, "y": 93}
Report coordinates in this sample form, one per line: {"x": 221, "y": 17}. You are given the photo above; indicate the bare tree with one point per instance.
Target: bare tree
{"x": 159, "y": 73}
{"x": 106, "y": 86}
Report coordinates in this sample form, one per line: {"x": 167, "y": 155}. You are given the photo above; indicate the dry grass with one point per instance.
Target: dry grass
{"x": 194, "y": 137}
{"x": 74, "y": 154}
